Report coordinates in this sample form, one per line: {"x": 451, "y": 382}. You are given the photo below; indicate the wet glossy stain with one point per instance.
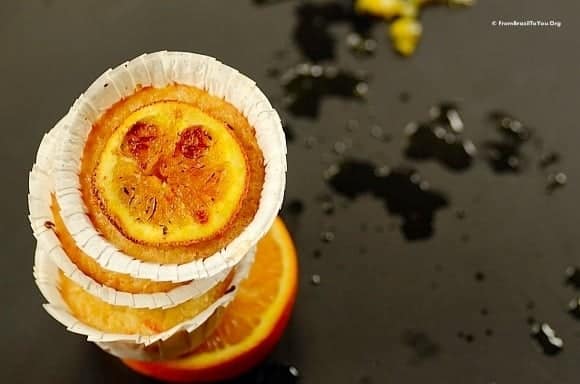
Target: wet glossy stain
{"x": 403, "y": 192}
{"x": 441, "y": 139}
{"x": 313, "y": 33}
{"x": 505, "y": 153}
{"x": 306, "y": 85}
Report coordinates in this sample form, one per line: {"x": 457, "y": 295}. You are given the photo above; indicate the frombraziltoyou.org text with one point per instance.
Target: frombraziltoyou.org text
{"x": 526, "y": 23}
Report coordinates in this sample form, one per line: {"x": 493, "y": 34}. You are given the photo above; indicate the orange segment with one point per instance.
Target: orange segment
{"x": 252, "y": 324}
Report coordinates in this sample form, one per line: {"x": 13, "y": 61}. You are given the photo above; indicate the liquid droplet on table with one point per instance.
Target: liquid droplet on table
{"x": 546, "y": 337}
{"x": 327, "y": 236}
{"x": 574, "y": 308}
{"x": 573, "y": 276}
{"x": 315, "y": 279}
{"x": 556, "y": 181}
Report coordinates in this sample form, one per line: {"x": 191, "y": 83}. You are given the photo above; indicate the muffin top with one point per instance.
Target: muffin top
{"x": 171, "y": 174}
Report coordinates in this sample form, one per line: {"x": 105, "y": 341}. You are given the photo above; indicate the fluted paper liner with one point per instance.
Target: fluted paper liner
{"x": 161, "y": 69}
{"x": 46, "y": 274}
{"x": 174, "y": 347}
{"x": 39, "y": 198}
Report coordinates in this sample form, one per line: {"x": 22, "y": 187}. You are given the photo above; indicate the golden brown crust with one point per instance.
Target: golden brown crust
{"x": 118, "y": 281}
{"x": 125, "y": 320}
{"x": 212, "y": 106}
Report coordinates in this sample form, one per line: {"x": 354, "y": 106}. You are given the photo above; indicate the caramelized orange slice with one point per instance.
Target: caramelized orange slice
{"x": 171, "y": 174}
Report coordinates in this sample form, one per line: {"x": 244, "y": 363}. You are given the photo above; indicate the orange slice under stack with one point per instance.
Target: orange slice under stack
{"x": 251, "y": 324}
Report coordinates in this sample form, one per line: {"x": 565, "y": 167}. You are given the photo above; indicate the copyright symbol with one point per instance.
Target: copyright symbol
{"x": 494, "y": 23}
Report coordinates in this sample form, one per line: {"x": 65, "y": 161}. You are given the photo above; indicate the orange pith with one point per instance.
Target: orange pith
{"x": 252, "y": 323}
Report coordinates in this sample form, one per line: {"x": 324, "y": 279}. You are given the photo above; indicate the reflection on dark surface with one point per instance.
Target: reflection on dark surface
{"x": 305, "y": 85}
{"x": 402, "y": 191}
{"x": 440, "y": 139}
{"x": 546, "y": 337}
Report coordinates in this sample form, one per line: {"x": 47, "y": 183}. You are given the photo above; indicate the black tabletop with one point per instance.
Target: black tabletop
{"x": 441, "y": 284}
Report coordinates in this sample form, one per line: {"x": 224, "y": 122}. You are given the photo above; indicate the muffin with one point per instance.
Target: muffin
{"x": 148, "y": 198}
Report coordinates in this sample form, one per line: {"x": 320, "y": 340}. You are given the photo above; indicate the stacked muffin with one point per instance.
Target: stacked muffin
{"x": 148, "y": 198}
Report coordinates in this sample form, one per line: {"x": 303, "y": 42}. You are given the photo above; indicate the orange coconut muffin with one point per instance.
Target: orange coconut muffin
{"x": 118, "y": 281}
{"x": 172, "y": 174}
{"x": 126, "y": 320}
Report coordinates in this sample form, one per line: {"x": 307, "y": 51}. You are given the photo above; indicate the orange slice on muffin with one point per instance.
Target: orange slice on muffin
{"x": 172, "y": 174}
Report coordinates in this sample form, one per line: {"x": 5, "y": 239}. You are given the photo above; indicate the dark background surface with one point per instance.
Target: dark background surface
{"x": 392, "y": 314}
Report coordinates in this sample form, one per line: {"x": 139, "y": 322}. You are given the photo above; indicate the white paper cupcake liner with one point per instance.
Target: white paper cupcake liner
{"x": 46, "y": 275}
{"x": 40, "y": 182}
{"x": 175, "y": 346}
{"x": 48, "y": 242}
{"x": 161, "y": 69}
{"x": 41, "y": 218}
